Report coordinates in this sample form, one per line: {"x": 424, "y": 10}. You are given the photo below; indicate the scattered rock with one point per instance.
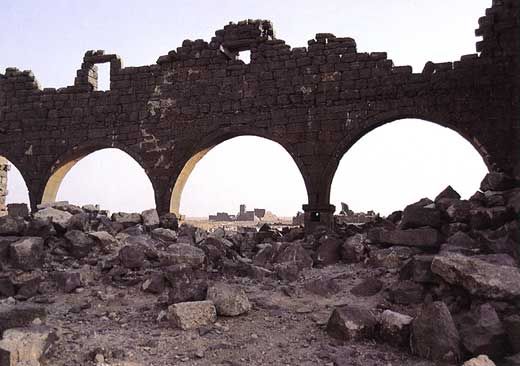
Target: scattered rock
{"x": 228, "y": 300}
{"x": 164, "y": 235}
{"x": 354, "y": 249}
{"x": 406, "y": 293}
{"x": 67, "y": 281}
{"x": 192, "y": 315}
{"x": 352, "y": 323}
{"x": 79, "y": 244}
{"x": 512, "y": 327}
{"x": 127, "y": 219}
{"x": 416, "y": 217}
{"x": 169, "y": 221}
{"x": 495, "y": 181}
{"x": 329, "y": 251}
{"x": 27, "y": 253}
{"x": 18, "y": 210}
{"x": 434, "y": 334}
{"x": 19, "y": 315}
{"x": 150, "y": 218}
{"x": 155, "y": 284}
{"x": 59, "y": 218}
{"x": 132, "y": 256}
{"x": 27, "y": 346}
{"x": 395, "y": 328}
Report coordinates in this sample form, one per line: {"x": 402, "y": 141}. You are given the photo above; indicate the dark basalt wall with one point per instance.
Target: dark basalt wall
{"x": 316, "y": 102}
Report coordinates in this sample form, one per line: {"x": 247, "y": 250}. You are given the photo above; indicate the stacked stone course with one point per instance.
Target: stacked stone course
{"x": 316, "y": 102}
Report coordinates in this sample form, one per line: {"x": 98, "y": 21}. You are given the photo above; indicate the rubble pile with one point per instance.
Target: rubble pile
{"x": 439, "y": 281}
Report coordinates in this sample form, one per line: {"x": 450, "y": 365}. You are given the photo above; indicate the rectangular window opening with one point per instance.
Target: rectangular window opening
{"x": 103, "y": 72}
{"x": 244, "y": 56}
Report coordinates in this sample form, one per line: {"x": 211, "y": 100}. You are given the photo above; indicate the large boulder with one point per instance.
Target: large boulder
{"x": 482, "y": 333}
{"x": 186, "y": 284}
{"x": 67, "y": 281}
{"x": 479, "y": 277}
{"x": 10, "y": 225}
{"x": 104, "y": 241}
{"x": 294, "y": 253}
{"x": 79, "y": 244}
{"x": 59, "y": 218}
{"x": 415, "y": 217}
{"x": 422, "y": 237}
{"x": 228, "y": 300}
{"x": 418, "y": 269}
{"x": 150, "y": 218}
{"x": 354, "y": 249}
{"x": 352, "y": 323}
{"x": 447, "y": 193}
{"x": 182, "y": 253}
{"x": 192, "y": 315}
{"x": 368, "y": 287}
{"x": 27, "y": 253}
{"x": 18, "y": 210}
{"x": 164, "y": 235}
{"x": 434, "y": 334}
{"x": 481, "y": 360}
{"x": 127, "y": 219}
{"x": 395, "y": 328}
{"x": 393, "y": 257}
{"x": 27, "y": 346}
{"x": 132, "y": 256}
{"x": 406, "y": 292}
{"x": 329, "y": 251}
{"x": 460, "y": 211}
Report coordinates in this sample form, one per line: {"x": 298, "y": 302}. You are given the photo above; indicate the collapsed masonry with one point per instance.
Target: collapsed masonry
{"x": 4, "y": 169}
{"x": 438, "y": 281}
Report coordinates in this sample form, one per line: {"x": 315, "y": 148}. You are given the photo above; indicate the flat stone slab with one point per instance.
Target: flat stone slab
{"x": 479, "y": 277}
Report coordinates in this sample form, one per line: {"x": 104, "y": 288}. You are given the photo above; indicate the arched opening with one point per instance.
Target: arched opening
{"x": 12, "y": 186}
{"x": 403, "y": 161}
{"x": 108, "y": 177}
{"x": 246, "y": 170}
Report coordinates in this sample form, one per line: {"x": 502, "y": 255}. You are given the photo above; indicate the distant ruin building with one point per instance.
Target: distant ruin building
{"x": 222, "y": 216}
{"x": 4, "y": 168}
{"x": 243, "y": 215}
{"x": 347, "y": 216}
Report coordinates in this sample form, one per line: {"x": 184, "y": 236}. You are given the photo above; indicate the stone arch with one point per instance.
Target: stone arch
{"x": 69, "y": 159}
{"x": 188, "y": 164}
{"x": 347, "y": 143}
{"x": 371, "y": 124}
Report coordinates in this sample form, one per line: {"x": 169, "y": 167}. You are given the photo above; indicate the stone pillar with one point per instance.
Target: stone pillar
{"x": 318, "y": 215}
{"x": 4, "y": 168}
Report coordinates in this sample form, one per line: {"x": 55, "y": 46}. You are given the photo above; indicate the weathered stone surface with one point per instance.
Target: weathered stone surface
{"x": 395, "y": 328}
{"x": 481, "y": 332}
{"x": 59, "y": 218}
{"x": 192, "y": 315}
{"x": 18, "y": 210}
{"x": 448, "y": 193}
{"x": 228, "y": 300}
{"x": 460, "y": 211}
{"x": 42, "y": 228}
{"x": 512, "y": 360}
{"x": 329, "y": 251}
{"x": 354, "y": 249}
{"x": 27, "y": 284}
{"x": 27, "y": 346}
{"x": 480, "y": 278}
{"x": 155, "y": 283}
{"x": 186, "y": 284}
{"x": 325, "y": 287}
{"x": 68, "y": 281}
{"x": 481, "y": 360}
{"x": 79, "y": 244}
{"x": 181, "y": 253}
{"x": 352, "y": 323}
{"x": 104, "y": 240}
{"x": 294, "y": 253}
{"x": 27, "y": 253}
{"x": 164, "y": 235}
{"x": 150, "y": 218}
{"x": 132, "y": 256}
{"x": 512, "y": 327}
{"x": 434, "y": 334}
{"x": 406, "y": 292}
{"x": 421, "y": 237}
{"x": 415, "y": 217}
{"x": 418, "y": 269}
{"x": 10, "y": 225}
{"x": 496, "y": 182}
{"x": 127, "y": 219}
{"x": 169, "y": 221}
{"x": 393, "y": 257}
{"x": 368, "y": 287}
{"x": 20, "y": 315}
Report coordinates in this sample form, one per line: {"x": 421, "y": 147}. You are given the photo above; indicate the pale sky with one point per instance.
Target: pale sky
{"x": 394, "y": 165}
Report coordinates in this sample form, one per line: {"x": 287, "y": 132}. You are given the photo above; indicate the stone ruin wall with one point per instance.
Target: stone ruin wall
{"x": 315, "y": 101}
